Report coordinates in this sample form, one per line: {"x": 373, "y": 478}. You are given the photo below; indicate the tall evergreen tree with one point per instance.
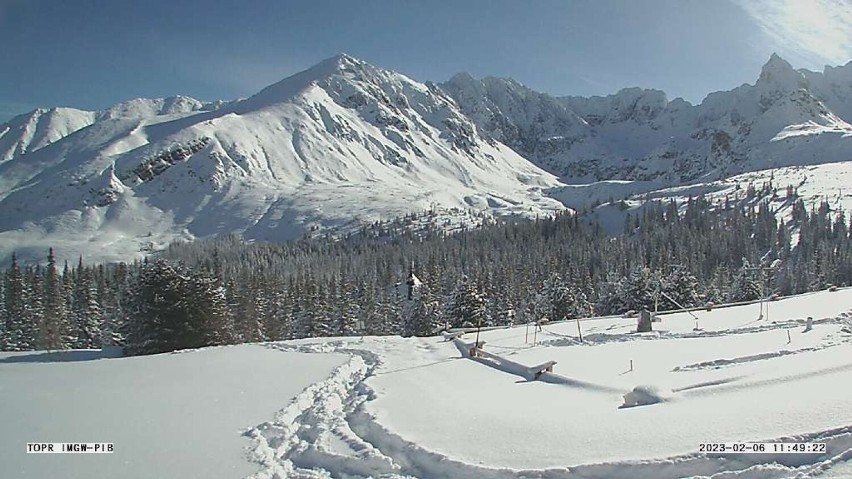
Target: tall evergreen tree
{"x": 168, "y": 311}
{"x": 467, "y": 306}
{"x": 55, "y": 329}
{"x": 21, "y": 326}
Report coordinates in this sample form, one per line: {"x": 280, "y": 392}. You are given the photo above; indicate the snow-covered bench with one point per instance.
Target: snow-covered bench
{"x": 537, "y": 371}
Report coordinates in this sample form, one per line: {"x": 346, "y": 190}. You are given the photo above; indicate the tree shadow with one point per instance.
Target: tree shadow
{"x": 71, "y": 356}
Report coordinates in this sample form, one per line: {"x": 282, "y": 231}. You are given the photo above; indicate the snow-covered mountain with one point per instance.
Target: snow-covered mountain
{"x": 34, "y": 130}
{"x": 788, "y": 117}
{"x": 344, "y": 143}
{"x": 339, "y": 143}
{"x": 39, "y": 128}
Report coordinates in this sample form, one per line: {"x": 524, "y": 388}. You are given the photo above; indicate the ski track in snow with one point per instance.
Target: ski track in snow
{"x": 720, "y": 363}
{"x": 603, "y": 338}
{"x": 327, "y": 431}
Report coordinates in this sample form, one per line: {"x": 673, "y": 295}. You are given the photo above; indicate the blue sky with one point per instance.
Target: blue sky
{"x": 93, "y": 53}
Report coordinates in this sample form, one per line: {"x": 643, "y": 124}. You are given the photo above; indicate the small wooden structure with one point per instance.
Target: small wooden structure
{"x": 644, "y": 324}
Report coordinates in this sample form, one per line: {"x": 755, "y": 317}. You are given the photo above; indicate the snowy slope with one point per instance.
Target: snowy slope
{"x": 340, "y": 143}
{"x": 828, "y": 183}
{"x": 30, "y": 132}
{"x": 786, "y": 118}
{"x": 814, "y": 184}
{"x": 39, "y": 128}
{"x": 420, "y": 407}
{"x": 344, "y": 143}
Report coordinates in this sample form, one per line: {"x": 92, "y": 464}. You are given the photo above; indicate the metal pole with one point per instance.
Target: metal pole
{"x": 478, "y": 326}
{"x": 679, "y": 305}
{"x": 656, "y": 300}
{"x": 767, "y": 302}
{"x": 579, "y": 331}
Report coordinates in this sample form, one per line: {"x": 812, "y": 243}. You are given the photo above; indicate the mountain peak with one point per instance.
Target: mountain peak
{"x": 292, "y": 85}
{"x": 462, "y": 78}
{"x": 341, "y": 62}
{"x": 346, "y": 59}
{"x": 779, "y": 73}
{"x": 775, "y": 64}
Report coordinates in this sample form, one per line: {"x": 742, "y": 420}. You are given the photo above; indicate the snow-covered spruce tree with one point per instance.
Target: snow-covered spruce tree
{"x": 166, "y": 311}
{"x": 409, "y": 292}
{"x": 582, "y": 307}
{"x": 55, "y": 328}
{"x": 248, "y": 306}
{"x": 86, "y": 313}
{"x": 638, "y": 289}
{"x": 279, "y": 315}
{"x": 319, "y": 310}
{"x": 541, "y": 306}
{"x": 348, "y": 309}
{"x": 368, "y": 310}
{"x": 610, "y": 297}
{"x": 716, "y": 290}
{"x": 303, "y": 321}
{"x": 34, "y": 277}
{"x": 681, "y": 286}
{"x": 421, "y": 312}
{"x": 563, "y": 298}
{"x": 427, "y": 314}
{"x": 310, "y": 310}
{"x": 501, "y": 309}
{"x": 747, "y": 283}
{"x": 388, "y": 318}
{"x": 112, "y": 285}
{"x": 149, "y": 304}
{"x": 21, "y": 326}
{"x": 207, "y": 309}
{"x": 466, "y": 307}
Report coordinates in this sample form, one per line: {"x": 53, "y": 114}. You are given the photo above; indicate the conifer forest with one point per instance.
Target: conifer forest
{"x": 510, "y": 271}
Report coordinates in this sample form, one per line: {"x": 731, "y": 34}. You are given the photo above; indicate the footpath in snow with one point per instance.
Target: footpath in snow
{"x": 418, "y": 407}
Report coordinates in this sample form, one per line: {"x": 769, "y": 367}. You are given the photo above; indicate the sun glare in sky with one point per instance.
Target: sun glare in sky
{"x": 807, "y": 28}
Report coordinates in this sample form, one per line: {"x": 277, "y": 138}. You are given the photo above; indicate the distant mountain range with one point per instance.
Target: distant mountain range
{"x": 344, "y": 143}
{"x": 788, "y": 117}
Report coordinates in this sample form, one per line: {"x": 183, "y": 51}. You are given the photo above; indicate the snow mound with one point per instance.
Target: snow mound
{"x": 642, "y": 396}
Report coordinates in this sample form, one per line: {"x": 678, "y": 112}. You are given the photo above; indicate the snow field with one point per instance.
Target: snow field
{"x": 419, "y": 407}
{"x": 169, "y": 415}
{"x": 737, "y": 380}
